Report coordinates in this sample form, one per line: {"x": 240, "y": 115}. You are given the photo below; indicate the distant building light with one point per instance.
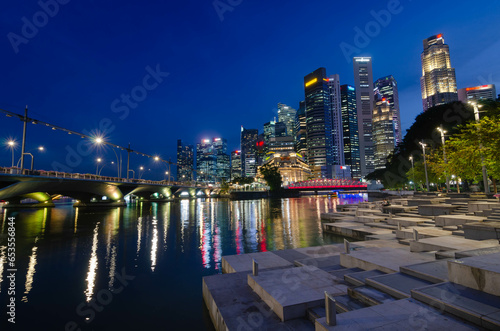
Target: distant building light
{"x": 312, "y": 81}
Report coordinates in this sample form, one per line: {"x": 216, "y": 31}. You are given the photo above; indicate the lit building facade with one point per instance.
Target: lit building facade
{"x": 318, "y": 123}
{"x": 250, "y": 165}
{"x": 350, "y": 129}
{"x": 248, "y": 142}
{"x": 363, "y": 81}
{"x": 300, "y": 131}
{"x": 387, "y": 87}
{"x": 383, "y": 131}
{"x": 291, "y": 166}
{"x": 212, "y": 160}
{"x": 281, "y": 144}
{"x": 286, "y": 115}
{"x": 337, "y": 133}
{"x": 438, "y": 82}
{"x": 185, "y": 162}
{"x": 235, "y": 164}
{"x": 477, "y": 93}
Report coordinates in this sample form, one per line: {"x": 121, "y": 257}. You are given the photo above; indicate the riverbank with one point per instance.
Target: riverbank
{"x": 425, "y": 262}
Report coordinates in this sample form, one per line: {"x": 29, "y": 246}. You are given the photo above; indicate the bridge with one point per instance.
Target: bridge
{"x": 328, "y": 185}
{"x": 90, "y": 190}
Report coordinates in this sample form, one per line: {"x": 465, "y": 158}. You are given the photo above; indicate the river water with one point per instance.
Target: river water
{"x": 140, "y": 267}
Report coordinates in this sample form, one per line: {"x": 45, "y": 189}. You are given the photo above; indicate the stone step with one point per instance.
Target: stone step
{"x": 382, "y": 226}
{"x": 433, "y": 271}
{"x": 397, "y": 285}
{"x": 314, "y": 313}
{"x": 359, "y": 278}
{"x": 338, "y": 275}
{"x": 369, "y": 295}
{"x": 477, "y": 252}
{"x": 480, "y": 308}
{"x": 458, "y": 233}
{"x": 345, "y": 303}
{"x": 478, "y": 272}
{"x": 404, "y": 241}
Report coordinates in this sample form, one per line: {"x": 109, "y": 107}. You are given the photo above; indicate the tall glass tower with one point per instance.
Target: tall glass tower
{"x": 286, "y": 115}
{"x": 337, "y": 133}
{"x": 387, "y": 87}
{"x": 350, "y": 129}
{"x": 438, "y": 82}
{"x": 185, "y": 162}
{"x": 301, "y": 131}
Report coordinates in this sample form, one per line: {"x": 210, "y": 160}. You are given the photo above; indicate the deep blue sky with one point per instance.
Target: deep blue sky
{"x": 222, "y": 74}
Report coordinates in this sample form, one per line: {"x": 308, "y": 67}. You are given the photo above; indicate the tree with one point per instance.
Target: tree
{"x": 243, "y": 180}
{"x": 272, "y": 176}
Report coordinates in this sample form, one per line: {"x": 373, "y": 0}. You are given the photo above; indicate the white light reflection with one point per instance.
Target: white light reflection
{"x": 139, "y": 234}
{"x": 154, "y": 244}
{"x": 112, "y": 268}
{"x": 30, "y": 273}
{"x": 91, "y": 275}
{"x": 3, "y": 260}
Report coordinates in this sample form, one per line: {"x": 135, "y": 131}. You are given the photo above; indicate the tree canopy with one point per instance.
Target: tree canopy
{"x": 272, "y": 176}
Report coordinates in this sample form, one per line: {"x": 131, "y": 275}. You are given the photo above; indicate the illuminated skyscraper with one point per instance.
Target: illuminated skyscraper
{"x": 438, "y": 82}
{"x": 300, "y": 131}
{"x": 286, "y": 115}
{"x": 318, "y": 123}
{"x": 235, "y": 164}
{"x": 248, "y": 142}
{"x": 212, "y": 160}
{"x": 350, "y": 129}
{"x": 476, "y": 93}
{"x": 337, "y": 134}
{"x": 185, "y": 162}
{"x": 383, "y": 131}
{"x": 387, "y": 87}
{"x": 363, "y": 81}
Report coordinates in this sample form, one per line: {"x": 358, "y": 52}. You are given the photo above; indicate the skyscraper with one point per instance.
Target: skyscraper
{"x": 300, "y": 131}
{"x": 387, "y": 87}
{"x": 235, "y": 164}
{"x": 318, "y": 123}
{"x": 337, "y": 134}
{"x": 286, "y": 115}
{"x": 212, "y": 160}
{"x": 438, "y": 82}
{"x": 248, "y": 141}
{"x": 185, "y": 162}
{"x": 273, "y": 129}
{"x": 363, "y": 81}
{"x": 350, "y": 129}
{"x": 383, "y": 131}
{"x": 476, "y": 93}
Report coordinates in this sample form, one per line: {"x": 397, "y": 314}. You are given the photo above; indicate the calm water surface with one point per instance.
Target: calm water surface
{"x": 153, "y": 255}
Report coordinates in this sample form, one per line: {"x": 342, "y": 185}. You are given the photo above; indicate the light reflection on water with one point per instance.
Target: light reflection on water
{"x": 66, "y": 255}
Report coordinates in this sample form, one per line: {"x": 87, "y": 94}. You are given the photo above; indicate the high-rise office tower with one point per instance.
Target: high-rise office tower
{"x": 477, "y": 93}
{"x": 273, "y": 129}
{"x": 438, "y": 82}
{"x": 363, "y": 81}
{"x": 350, "y": 129}
{"x": 248, "y": 142}
{"x": 300, "y": 131}
{"x": 286, "y": 115}
{"x": 223, "y": 162}
{"x": 387, "y": 87}
{"x": 383, "y": 131}
{"x": 318, "y": 123}
{"x": 212, "y": 160}
{"x": 337, "y": 134}
{"x": 235, "y": 164}
{"x": 185, "y": 162}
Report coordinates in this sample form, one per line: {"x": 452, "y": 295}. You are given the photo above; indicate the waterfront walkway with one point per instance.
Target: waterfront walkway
{"x": 424, "y": 262}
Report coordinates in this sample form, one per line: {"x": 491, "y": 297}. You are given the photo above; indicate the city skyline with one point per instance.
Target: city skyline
{"x": 75, "y": 77}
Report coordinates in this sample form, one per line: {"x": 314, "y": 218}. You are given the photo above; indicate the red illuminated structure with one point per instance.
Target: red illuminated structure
{"x": 328, "y": 184}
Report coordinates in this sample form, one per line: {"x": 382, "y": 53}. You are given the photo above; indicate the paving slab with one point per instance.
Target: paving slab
{"x": 383, "y": 258}
{"x": 425, "y": 201}
{"x": 436, "y": 209}
{"x": 447, "y": 220}
{"x": 397, "y": 284}
{"x": 406, "y": 221}
{"x": 472, "y": 305}
{"x": 290, "y": 292}
{"x": 369, "y": 295}
{"x": 406, "y": 314}
{"x": 243, "y": 262}
{"x": 478, "y": 272}
{"x": 422, "y": 233}
{"x": 393, "y": 209}
{"x": 339, "y": 275}
{"x": 446, "y": 243}
{"x": 434, "y": 271}
{"x": 345, "y": 303}
{"x": 477, "y": 252}
{"x": 482, "y": 230}
{"x": 352, "y": 229}
{"x": 359, "y": 278}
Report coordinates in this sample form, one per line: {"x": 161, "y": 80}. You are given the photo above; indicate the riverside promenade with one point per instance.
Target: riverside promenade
{"x": 426, "y": 262}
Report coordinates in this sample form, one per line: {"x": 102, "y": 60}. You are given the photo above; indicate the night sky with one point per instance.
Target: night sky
{"x": 215, "y": 71}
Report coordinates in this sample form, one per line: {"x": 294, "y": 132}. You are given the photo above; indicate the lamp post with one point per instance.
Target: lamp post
{"x": 141, "y": 171}
{"x": 483, "y": 167}
{"x": 442, "y": 132}
{"x": 98, "y": 160}
{"x": 100, "y": 141}
{"x": 12, "y": 144}
{"x": 413, "y": 172}
{"x": 425, "y": 165}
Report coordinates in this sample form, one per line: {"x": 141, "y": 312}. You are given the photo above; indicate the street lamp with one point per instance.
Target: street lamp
{"x": 141, "y": 168}
{"x": 12, "y": 144}
{"x": 413, "y": 172}
{"x": 442, "y": 131}
{"x": 483, "y": 167}
{"x": 425, "y": 165}
{"x": 100, "y": 141}
{"x": 98, "y": 160}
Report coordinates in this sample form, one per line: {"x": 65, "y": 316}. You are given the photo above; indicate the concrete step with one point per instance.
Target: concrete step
{"x": 369, "y": 295}
{"x": 480, "y": 308}
{"x": 359, "y": 278}
{"x": 382, "y": 226}
{"x": 478, "y": 272}
{"x": 338, "y": 275}
{"x": 404, "y": 241}
{"x": 434, "y": 271}
{"x": 397, "y": 285}
{"x": 314, "y": 313}
{"x": 458, "y": 233}
{"x": 345, "y": 303}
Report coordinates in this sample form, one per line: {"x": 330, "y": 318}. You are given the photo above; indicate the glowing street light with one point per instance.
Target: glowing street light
{"x": 141, "y": 168}
{"x": 413, "y": 172}
{"x": 483, "y": 167}
{"x": 100, "y": 141}
{"x": 440, "y": 129}
{"x": 12, "y": 144}
{"x": 98, "y": 160}
{"x": 425, "y": 165}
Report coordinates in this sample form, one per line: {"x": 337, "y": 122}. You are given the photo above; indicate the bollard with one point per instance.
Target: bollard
{"x": 390, "y": 215}
{"x": 415, "y": 235}
{"x": 399, "y": 226}
{"x": 347, "y": 246}
{"x": 255, "y": 268}
{"x": 331, "y": 313}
